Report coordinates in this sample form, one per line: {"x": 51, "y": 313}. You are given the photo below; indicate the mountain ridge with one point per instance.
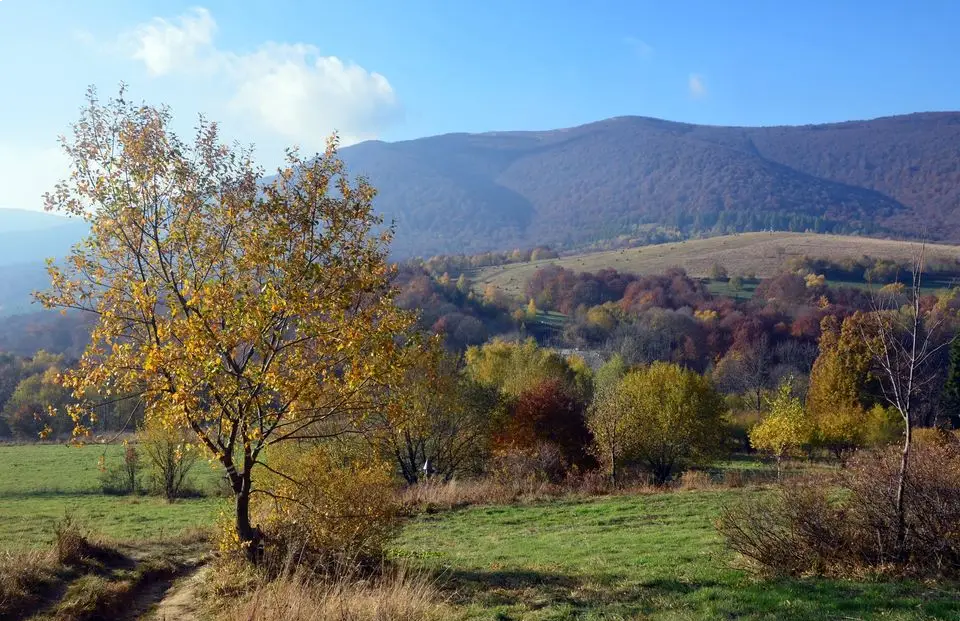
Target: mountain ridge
{"x": 894, "y": 176}
{"x": 461, "y": 192}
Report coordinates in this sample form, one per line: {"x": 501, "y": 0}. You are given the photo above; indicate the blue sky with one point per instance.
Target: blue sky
{"x": 283, "y": 72}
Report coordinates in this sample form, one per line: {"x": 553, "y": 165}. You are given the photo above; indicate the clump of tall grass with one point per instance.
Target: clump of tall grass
{"x": 300, "y": 594}
{"x": 24, "y": 578}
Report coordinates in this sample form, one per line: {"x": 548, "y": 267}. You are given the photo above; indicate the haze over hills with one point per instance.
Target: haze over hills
{"x": 27, "y": 239}
{"x": 896, "y": 176}
{"x": 32, "y": 236}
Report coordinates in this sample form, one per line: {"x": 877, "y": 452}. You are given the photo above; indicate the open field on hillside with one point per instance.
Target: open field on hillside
{"x": 648, "y": 556}
{"x": 42, "y": 483}
{"x": 761, "y": 254}
{"x": 633, "y": 557}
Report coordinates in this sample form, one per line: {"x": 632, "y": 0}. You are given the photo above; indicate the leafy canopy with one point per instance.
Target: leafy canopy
{"x": 252, "y": 313}
{"x": 672, "y": 418}
{"x": 785, "y": 428}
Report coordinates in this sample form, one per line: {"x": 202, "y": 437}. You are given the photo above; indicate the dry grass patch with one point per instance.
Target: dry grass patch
{"x": 298, "y": 596}
{"x": 84, "y": 578}
{"x": 25, "y": 579}
{"x": 432, "y": 496}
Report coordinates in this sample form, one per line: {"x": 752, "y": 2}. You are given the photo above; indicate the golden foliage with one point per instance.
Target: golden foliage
{"x": 785, "y": 428}
{"x": 667, "y": 417}
{"x": 337, "y": 504}
{"x": 436, "y": 415}
{"x": 516, "y": 367}
{"x": 252, "y": 313}
{"x": 838, "y": 376}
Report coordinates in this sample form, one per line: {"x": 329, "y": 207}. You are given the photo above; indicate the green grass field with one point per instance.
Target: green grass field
{"x": 41, "y": 483}
{"x": 639, "y": 557}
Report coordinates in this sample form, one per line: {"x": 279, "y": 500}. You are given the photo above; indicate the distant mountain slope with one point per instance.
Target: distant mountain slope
{"x": 467, "y": 193}
{"x": 33, "y": 236}
{"x": 476, "y": 192}
{"x": 13, "y": 220}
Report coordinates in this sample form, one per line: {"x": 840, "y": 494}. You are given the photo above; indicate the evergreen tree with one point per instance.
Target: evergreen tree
{"x": 950, "y": 401}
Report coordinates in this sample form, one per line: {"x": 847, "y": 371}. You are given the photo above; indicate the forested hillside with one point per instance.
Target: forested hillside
{"x": 473, "y": 192}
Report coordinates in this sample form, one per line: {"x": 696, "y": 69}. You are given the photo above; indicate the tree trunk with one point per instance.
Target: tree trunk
{"x": 901, "y": 485}
{"x": 779, "y": 461}
{"x": 249, "y": 536}
{"x": 613, "y": 466}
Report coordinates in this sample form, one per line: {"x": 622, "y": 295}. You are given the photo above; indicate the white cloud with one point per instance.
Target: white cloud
{"x": 286, "y": 91}
{"x": 640, "y": 48}
{"x": 32, "y": 171}
{"x": 696, "y": 86}
{"x": 165, "y": 47}
{"x": 301, "y": 95}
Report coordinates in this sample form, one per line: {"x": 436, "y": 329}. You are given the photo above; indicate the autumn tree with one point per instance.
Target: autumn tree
{"x": 747, "y": 369}
{"x": 436, "y": 419}
{"x": 515, "y": 367}
{"x": 547, "y": 415}
{"x": 27, "y": 411}
{"x": 675, "y": 418}
{"x": 718, "y": 272}
{"x": 255, "y": 312}
{"x": 838, "y": 380}
{"x": 785, "y": 428}
{"x": 608, "y": 423}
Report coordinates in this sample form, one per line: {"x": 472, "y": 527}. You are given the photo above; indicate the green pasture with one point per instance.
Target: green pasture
{"x": 633, "y": 557}
{"x": 42, "y": 483}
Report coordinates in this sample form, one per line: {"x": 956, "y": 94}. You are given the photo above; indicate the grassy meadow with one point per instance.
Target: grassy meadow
{"x": 760, "y": 254}
{"x": 654, "y": 556}
{"x": 644, "y": 556}
{"x": 41, "y": 483}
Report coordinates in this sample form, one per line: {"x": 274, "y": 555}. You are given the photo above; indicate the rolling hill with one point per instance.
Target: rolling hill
{"x": 760, "y": 254}
{"x": 465, "y": 193}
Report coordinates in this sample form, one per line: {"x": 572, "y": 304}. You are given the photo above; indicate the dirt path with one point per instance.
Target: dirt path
{"x": 177, "y": 601}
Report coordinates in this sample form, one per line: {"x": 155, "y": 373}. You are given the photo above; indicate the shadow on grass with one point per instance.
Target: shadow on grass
{"x": 517, "y": 591}
{"x": 533, "y": 590}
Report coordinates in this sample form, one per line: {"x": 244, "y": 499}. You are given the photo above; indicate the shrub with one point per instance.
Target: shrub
{"x": 171, "y": 458}
{"x": 72, "y": 545}
{"x": 933, "y": 436}
{"x": 543, "y": 462}
{"x": 672, "y": 418}
{"x": 792, "y": 531}
{"x": 122, "y": 477}
{"x": 330, "y": 505}
{"x": 547, "y": 426}
{"x": 849, "y": 525}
